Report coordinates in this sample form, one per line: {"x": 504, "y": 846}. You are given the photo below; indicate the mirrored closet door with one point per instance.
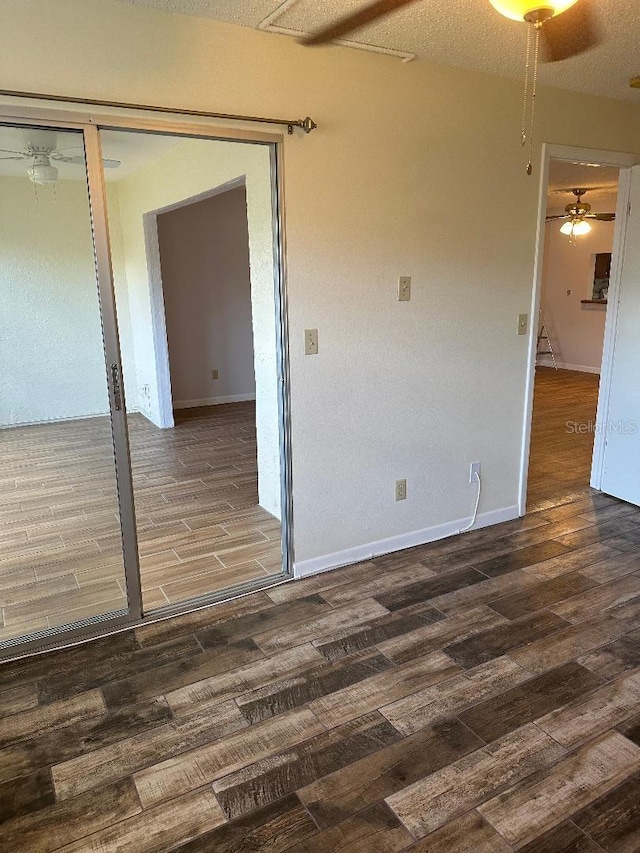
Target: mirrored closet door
{"x": 143, "y": 408}
{"x": 61, "y": 543}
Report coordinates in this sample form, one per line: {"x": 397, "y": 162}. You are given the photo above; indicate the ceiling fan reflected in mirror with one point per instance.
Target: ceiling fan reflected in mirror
{"x": 564, "y": 28}
{"x": 576, "y": 215}
{"x": 40, "y": 148}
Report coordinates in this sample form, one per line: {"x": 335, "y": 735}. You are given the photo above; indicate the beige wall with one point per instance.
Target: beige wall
{"x": 204, "y": 253}
{"x": 415, "y": 170}
{"x": 52, "y": 364}
{"x": 576, "y": 330}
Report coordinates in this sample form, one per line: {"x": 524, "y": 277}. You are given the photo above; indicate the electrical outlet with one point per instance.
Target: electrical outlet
{"x": 474, "y": 469}
{"x": 310, "y": 341}
{"x": 404, "y": 288}
{"x": 523, "y": 324}
{"x": 215, "y": 374}
{"x": 401, "y": 490}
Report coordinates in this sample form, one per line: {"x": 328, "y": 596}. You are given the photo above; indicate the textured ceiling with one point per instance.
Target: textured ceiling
{"x": 600, "y": 182}
{"x": 464, "y": 33}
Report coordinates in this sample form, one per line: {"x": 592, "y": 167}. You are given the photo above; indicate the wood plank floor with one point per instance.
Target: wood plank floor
{"x": 200, "y": 528}
{"x": 480, "y": 694}
{"x": 564, "y": 417}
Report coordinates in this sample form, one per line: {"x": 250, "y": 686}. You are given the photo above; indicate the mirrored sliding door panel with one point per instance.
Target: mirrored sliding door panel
{"x": 61, "y": 562}
{"x": 191, "y": 228}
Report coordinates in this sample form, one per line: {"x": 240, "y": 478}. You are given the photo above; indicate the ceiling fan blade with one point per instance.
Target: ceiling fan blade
{"x": 20, "y": 154}
{"x": 356, "y": 20}
{"x": 553, "y": 218}
{"x": 56, "y": 158}
{"x": 603, "y": 217}
{"x": 80, "y": 161}
{"x": 571, "y": 33}
{"x": 13, "y": 158}
{"x": 589, "y": 189}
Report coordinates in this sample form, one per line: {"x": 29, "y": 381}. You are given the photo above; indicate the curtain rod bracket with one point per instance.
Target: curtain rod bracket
{"x": 306, "y": 124}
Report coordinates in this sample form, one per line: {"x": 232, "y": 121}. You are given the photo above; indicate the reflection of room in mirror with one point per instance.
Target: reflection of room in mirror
{"x": 205, "y": 451}
{"x": 192, "y": 245}
{"x": 60, "y": 543}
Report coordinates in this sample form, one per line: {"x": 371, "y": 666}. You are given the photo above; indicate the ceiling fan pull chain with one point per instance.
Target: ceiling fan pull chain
{"x": 534, "y": 87}
{"x": 525, "y": 102}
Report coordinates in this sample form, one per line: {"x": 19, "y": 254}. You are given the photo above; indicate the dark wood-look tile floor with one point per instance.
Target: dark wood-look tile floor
{"x": 480, "y": 694}
{"x": 200, "y": 528}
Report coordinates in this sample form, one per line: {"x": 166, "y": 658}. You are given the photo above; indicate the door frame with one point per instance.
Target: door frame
{"x": 585, "y": 156}
{"x": 90, "y": 124}
{"x": 156, "y": 295}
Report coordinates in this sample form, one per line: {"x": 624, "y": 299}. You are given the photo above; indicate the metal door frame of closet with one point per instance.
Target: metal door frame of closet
{"x": 90, "y": 125}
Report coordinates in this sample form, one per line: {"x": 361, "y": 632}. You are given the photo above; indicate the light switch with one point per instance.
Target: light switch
{"x": 404, "y": 288}
{"x": 310, "y": 341}
{"x": 523, "y": 324}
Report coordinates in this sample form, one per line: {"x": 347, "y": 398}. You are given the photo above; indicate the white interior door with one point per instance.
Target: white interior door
{"x": 621, "y": 457}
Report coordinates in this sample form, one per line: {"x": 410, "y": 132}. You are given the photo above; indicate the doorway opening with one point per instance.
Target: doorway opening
{"x": 576, "y": 269}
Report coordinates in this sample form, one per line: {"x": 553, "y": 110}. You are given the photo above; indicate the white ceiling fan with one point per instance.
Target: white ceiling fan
{"x": 40, "y": 148}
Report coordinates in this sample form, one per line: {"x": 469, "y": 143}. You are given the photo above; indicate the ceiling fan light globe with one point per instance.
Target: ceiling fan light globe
{"x": 518, "y": 10}
{"x": 43, "y": 174}
{"x": 581, "y": 228}
{"x": 567, "y": 228}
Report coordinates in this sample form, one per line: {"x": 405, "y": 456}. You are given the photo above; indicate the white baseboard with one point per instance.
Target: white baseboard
{"x": 581, "y": 368}
{"x": 60, "y": 420}
{"x": 213, "y": 401}
{"x": 63, "y": 419}
{"x": 562, "y": 365}
{"x": 359, "y": 553}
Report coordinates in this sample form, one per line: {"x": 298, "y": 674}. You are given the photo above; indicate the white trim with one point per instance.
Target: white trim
{"x": 304, "y": 568}
{"x": 166, "y": 404}
{"x": 213, "y": 401}
{"x": 164, "y": 413}
{"x": 59, "y": 420}
{"x": 205, "y": 195}
{"x": 611, "y": 323}
{"x": 536, "y": 295}
{"x": 569, "y": 154}
{"x": 581, "y": 368}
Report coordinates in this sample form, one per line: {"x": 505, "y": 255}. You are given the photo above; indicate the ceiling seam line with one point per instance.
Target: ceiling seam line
{"x": 268, "y": 25}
